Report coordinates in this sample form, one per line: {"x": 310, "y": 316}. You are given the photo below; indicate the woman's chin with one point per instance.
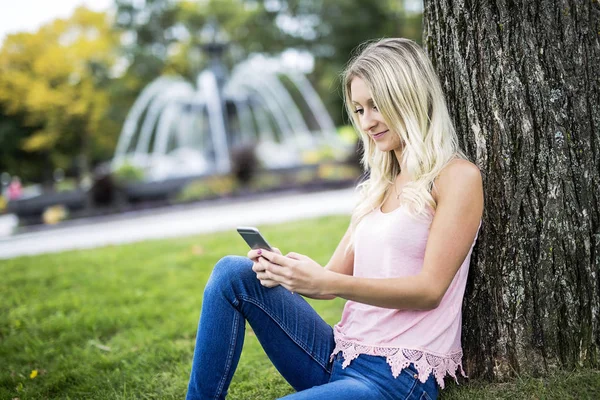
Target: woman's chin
{"x": 384, "y": 147}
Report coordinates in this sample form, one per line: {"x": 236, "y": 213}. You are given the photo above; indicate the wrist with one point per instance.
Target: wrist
{"x": 331, "y": 284}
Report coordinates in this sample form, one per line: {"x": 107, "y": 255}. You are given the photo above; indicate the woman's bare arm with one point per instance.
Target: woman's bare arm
{"x": 342, "y": 261}
{"x": 452, "y": 232}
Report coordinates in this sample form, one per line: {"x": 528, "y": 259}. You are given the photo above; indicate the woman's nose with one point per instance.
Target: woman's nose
{"x": 367, "y": 122}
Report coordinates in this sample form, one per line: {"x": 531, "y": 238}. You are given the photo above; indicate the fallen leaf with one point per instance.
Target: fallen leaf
{"x": 102, "y": 347}
{"x": 33, "y": 374}
{"x": 99, "y": 346}
{"x": 197, "y": 250}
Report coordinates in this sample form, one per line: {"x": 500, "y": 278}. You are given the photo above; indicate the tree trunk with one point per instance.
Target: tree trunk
{"x": 522, "y": 80}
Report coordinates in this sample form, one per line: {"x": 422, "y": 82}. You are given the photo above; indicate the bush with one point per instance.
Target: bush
{"x": 336, "y": 172}
{"x": 66, "y": 185}
{"x": 347, "y": 134}
{"x": 129, "y": 173}
{"x": 267, "y": 180}
{"x": 244, "y": 163}
{"x": 213, "y": 187}
{"x": 305, "y": 176}
{"x": 55, "y": 214}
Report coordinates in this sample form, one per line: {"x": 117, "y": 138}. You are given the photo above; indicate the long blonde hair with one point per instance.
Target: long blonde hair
{"x": 408, "y": 94}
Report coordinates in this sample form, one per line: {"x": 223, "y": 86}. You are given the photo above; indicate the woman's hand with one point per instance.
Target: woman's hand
{"x": 254, "y": 255}
{"x": 295, "y": 272}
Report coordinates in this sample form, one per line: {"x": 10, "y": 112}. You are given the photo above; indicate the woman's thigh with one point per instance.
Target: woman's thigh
{"x": 370, "y": 377}
{"x": 295, "y": 338}
{"x": 347, "y": 389}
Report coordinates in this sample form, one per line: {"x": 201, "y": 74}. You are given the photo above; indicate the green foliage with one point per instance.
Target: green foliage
{"x": 53, "y": 78}
{"x": 129, "y": 173}
{"x": 265, "y": 180}
{"x": 335, "y": 172}
{"x": 65, "y": 185}
{"x": 337, "y": 28}
{"x": 208, "y": 188}
{"x": 348, "y": 134}
{"x": 30, "y": 166}
{"x": 316, "y": 156}
{"x": 148, "y": 30}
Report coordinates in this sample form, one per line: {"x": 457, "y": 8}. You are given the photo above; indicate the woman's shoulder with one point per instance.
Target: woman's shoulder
{"x": 458, "y": 177}
{"x": 459, "y": 168}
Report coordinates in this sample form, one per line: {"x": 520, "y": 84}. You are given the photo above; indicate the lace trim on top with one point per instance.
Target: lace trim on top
{"x": 398, "y": 359}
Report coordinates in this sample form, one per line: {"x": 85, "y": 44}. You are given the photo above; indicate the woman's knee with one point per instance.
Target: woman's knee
{"x": 229, "y": 270}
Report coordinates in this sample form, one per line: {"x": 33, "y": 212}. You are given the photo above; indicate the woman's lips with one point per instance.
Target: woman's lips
{"x": 379, "y": 135}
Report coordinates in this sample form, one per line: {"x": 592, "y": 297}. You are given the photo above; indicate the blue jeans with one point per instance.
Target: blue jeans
{"x": 296, "y": 339}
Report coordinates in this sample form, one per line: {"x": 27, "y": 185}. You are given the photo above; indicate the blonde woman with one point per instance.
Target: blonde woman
{"x": 402, "y": 265}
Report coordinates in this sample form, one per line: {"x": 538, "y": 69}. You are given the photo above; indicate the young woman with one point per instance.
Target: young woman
{"x": 402, "y": 265}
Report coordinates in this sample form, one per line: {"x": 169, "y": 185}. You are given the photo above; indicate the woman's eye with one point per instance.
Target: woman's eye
{"x": 375, "y": 108}
{"x": 359, "y": 111}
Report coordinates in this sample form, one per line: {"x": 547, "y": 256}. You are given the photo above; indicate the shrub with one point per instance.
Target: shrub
{"x": 267, "y": 180}
{"x": 66, "y": 185}
{"x": 212, "y": 187}
{"x": 55, "y": 214}
{"x": 244, "y": 163}
{"x": 337, "y": 172}
{"x": 129, "y": 173}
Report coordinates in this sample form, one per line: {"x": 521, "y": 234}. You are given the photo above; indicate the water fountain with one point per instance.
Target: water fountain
{"x": 175, "y": 129}
{"x": 178, "y": 134}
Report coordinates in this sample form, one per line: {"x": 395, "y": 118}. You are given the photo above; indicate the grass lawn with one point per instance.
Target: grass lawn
{"x": 119, "y": 322}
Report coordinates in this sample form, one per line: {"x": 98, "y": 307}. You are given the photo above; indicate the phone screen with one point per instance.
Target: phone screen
{"x": 254, "y": 239}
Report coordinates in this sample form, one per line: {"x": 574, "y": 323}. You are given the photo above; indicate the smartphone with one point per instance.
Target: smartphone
{"x": 253, "y": 237}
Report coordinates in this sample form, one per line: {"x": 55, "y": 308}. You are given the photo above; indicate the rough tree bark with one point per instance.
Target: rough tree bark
{"x": 522, "y": 80}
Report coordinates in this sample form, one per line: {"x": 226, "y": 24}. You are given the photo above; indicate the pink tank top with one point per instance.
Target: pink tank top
{"x": 391, "y": 245}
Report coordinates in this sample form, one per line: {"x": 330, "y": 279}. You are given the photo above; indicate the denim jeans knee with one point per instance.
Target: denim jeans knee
{"x": 227, "y": 271}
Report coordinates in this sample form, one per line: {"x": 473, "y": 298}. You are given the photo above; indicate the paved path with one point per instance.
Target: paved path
{"x": 175, "y": 222}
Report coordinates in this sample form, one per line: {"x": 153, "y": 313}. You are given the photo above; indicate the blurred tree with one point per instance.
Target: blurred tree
{"x": 147, "y": 30}
{"x": 248, "y": 27}
{"x": 13, "y": 159}
{"x": 52, "y": 80}
{"x": 327, "y": 29}
{"x": 165, "y": 37}
{"x": 331, "y": 30}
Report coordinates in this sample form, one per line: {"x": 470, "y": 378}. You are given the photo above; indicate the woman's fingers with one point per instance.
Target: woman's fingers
{"x": 264, "y": 273}
{"x": 296, "y": 256}
{"x": 253, "y": 254}
{"x": 268, "y": 283}
{"x": 275, "y": 271}
{"x": 278, "y": 259}
{"x": 257, "y": 267}
{"x": 265, "y": 279}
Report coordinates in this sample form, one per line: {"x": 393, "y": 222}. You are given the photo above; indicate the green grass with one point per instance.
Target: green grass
{"x": 119, "y": 322}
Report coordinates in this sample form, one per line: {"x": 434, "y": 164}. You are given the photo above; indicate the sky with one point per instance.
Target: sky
{"x": 30, "y": 15}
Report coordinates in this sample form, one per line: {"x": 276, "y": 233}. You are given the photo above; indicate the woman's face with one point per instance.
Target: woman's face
{"x": 371, "y": 120}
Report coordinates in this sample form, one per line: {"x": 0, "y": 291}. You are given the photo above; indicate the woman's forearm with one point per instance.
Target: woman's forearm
{"x": 410, "y": 292}
{"x": 322, "y": 297}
